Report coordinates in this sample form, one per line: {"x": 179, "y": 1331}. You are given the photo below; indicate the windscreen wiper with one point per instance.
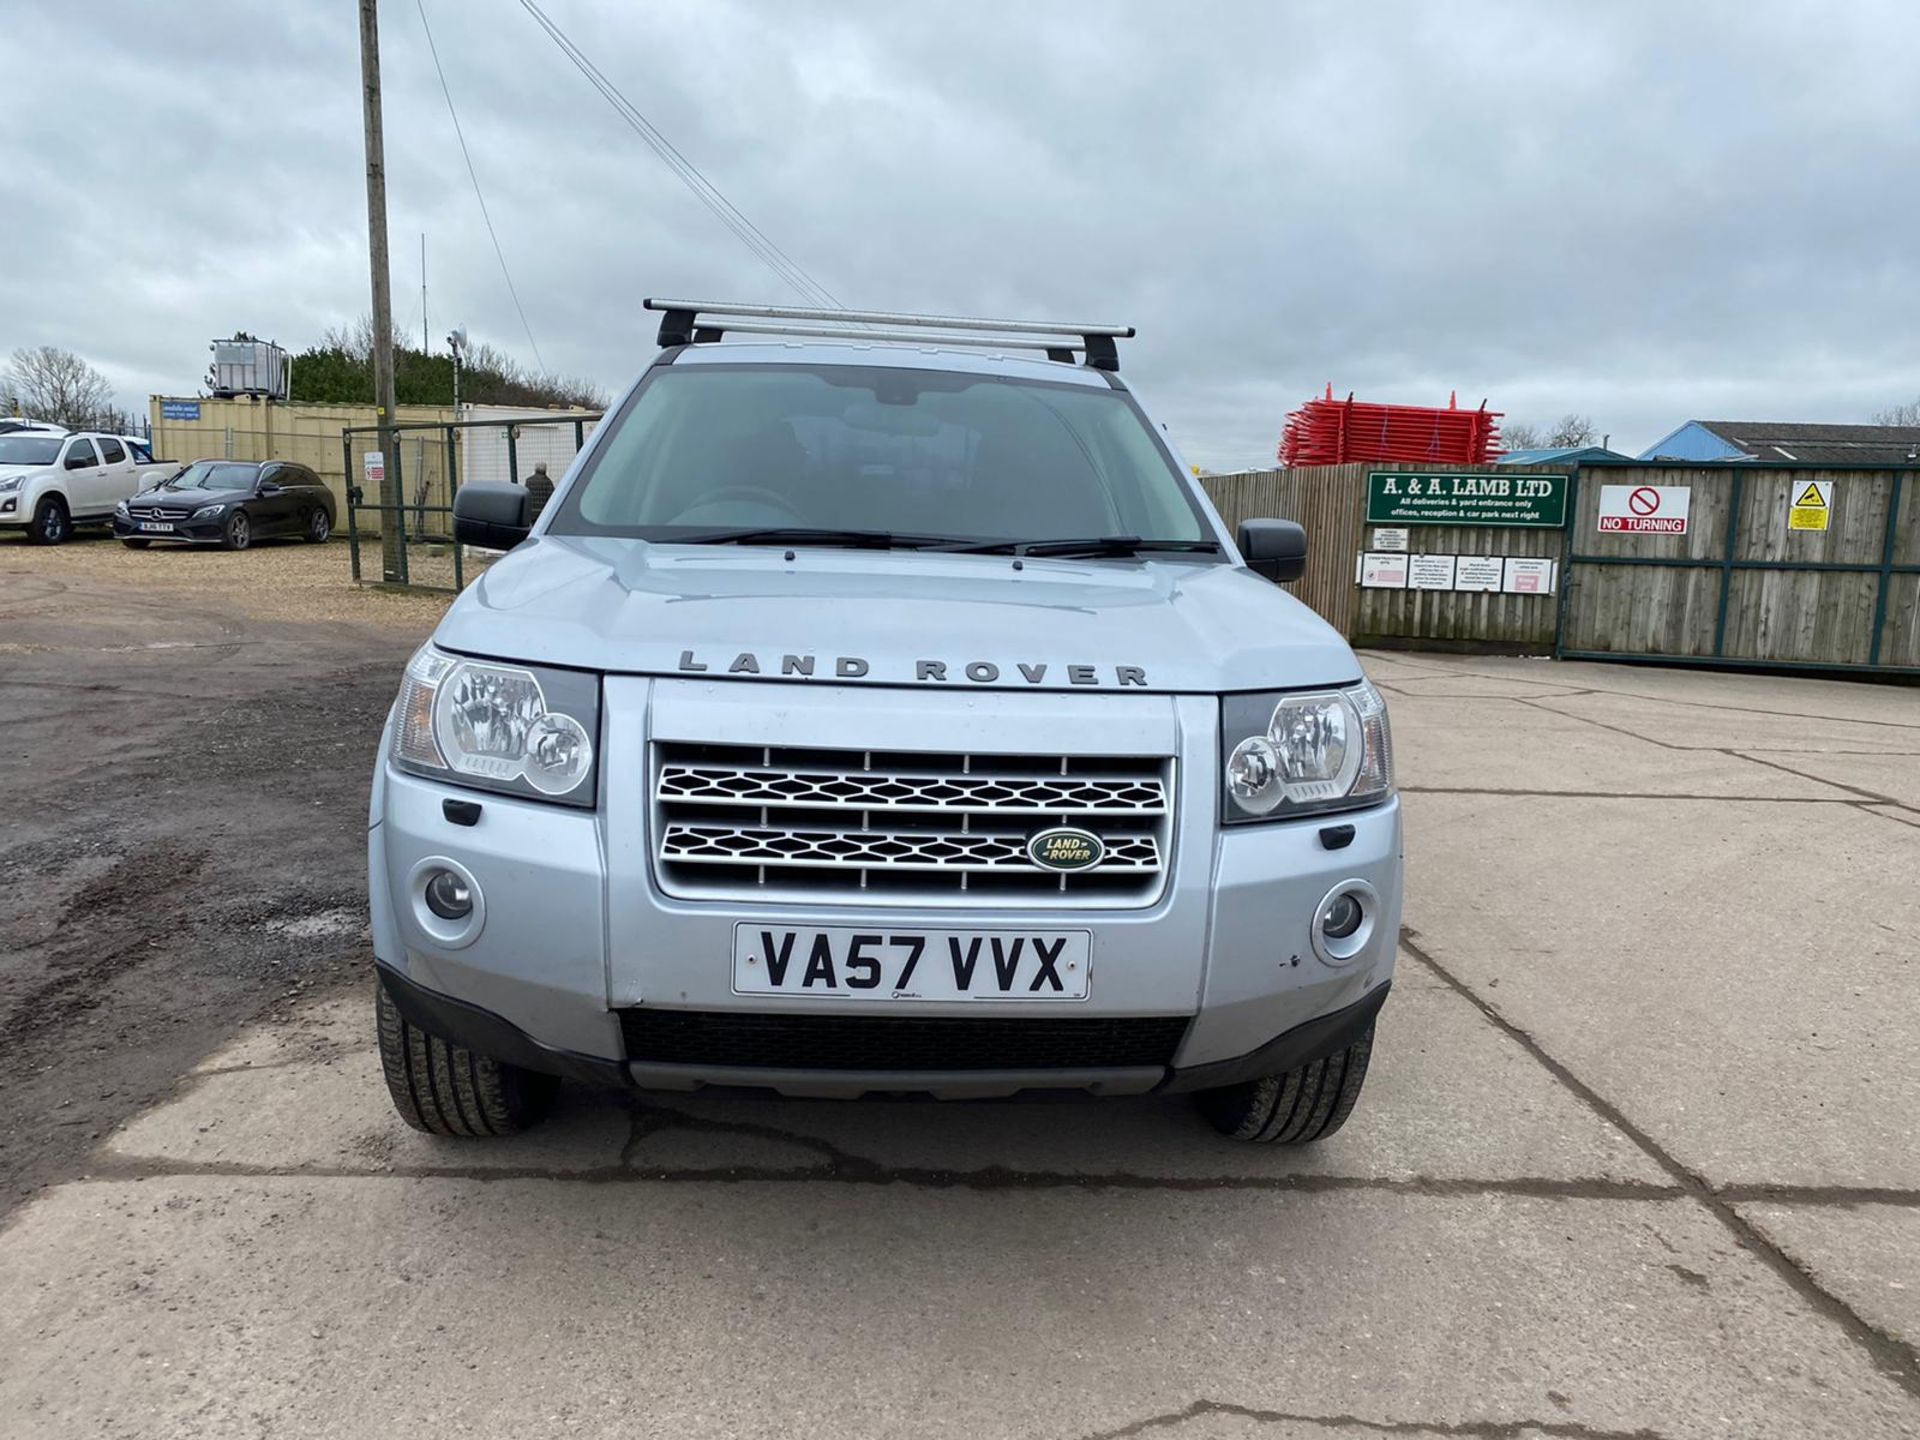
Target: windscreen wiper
{"x": 1094, "y": 545}
{"x": 811, "y": 535}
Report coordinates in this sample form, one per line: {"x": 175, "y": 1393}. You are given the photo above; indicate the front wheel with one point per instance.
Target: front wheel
{"x": 239, "y": 531}
{"x": 51, "y": 524}
{"x": 447, "y": 1089}
{"x": 1296, "y": 1108}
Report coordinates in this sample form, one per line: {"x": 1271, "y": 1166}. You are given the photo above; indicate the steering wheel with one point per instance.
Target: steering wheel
{"x": 750, "y": 492}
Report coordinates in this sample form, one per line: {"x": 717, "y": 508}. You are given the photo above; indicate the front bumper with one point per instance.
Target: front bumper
{"x": 203, "y": 532}
{"x": 577, "y": 932}
{"x": 490, "y": 1034}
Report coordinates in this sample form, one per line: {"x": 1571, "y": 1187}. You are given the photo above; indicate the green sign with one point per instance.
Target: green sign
{"x": 1408, "y": 497}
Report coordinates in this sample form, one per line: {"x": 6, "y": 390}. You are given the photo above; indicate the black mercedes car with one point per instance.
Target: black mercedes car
{"x": 231, "y": 503}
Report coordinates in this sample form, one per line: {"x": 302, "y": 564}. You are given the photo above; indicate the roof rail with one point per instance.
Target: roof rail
{"x": 698, "y": 322}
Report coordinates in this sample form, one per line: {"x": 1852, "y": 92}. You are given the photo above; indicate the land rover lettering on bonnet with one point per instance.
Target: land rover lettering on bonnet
{"x": 978, "y": 672}
{"x": 878, "y": 706}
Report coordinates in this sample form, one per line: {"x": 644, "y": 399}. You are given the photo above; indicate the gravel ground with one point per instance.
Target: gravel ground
{"x": 277, "y": 580}
{"x": 185, "y": 740}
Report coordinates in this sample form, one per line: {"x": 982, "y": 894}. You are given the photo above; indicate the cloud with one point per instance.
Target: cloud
{"x": 1642, "y": 212}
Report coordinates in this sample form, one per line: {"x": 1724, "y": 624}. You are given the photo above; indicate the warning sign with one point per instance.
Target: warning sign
{"x": 1381, "y": 570}
{"x": 1812, "y": 507}
{"x": 1644, "y": 509}
{"x": 374, "y": 466}
{"x": 1528, "y": 577}
{"x": 1478, "y": 572}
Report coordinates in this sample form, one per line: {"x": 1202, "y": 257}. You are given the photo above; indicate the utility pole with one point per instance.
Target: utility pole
{"x": 426, "y": 345}
{"x": 393, "y": 548}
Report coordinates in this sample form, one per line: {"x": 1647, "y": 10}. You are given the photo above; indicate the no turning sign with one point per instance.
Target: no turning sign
{"x": 1644, "y": 509}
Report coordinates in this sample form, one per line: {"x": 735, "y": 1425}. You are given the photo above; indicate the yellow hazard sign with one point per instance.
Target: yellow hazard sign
{"x": 1812, "y": 507}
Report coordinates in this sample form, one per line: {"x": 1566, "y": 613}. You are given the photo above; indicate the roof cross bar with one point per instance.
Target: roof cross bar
{"x": 690, "y": 322}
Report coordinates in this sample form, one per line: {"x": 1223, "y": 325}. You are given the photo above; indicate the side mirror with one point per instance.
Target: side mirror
{"x": 267, "y": 487}
{"x": 1276, "y": 549}
{"x": 79, "y": 461}
{"x": 491, "y": 515}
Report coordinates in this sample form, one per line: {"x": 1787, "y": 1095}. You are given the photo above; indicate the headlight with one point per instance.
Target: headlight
{"x": 12, "y": 483}
{"x": 208, "y": 512}
{"x": 524, "y": 730}
{"x": 120, "y": 508}
{"x": 1288, "y": 755}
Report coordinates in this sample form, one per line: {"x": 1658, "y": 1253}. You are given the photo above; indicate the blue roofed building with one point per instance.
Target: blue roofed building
{"x": 1785, "y": 442}
{"x": 1560, "y": 455}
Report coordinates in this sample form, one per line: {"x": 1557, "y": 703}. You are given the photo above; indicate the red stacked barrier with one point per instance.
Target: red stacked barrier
{"x": 1333, "y": 432}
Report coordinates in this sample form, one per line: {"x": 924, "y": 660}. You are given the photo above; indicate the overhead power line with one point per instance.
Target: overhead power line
{"x": 474, "y": 176}
{"x": 783, "y": 266}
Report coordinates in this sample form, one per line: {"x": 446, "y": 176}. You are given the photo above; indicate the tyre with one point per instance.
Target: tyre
{"x": 319, "y": 526}
{"x": 134, "y": 544}
{"x": 51, "y": 525}
{"x": 1296, "y": 1108}
{"x": 447, "y": 1089}
{"x": 239, "y": 532}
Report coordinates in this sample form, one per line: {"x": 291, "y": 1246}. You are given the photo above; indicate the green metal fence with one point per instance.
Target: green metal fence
{"x": 424, "y": 465}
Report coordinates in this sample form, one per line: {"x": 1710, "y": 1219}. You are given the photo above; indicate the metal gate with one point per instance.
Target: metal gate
{"x": 424, "y": 464}
{"x": 1747, "y": 583}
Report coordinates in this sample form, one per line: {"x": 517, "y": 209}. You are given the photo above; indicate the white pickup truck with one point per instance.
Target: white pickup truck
{"x": 51, "y": 483}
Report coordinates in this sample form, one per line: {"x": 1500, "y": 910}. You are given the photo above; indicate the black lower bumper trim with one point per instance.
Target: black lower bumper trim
{"x": 903, "y": 1044}
{"x": 1301, "y": 1045}
{"x": 486, "y": 1033}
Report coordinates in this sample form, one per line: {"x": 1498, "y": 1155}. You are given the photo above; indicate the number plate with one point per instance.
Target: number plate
{"x": 888, "y": 964}
{"x": 163, "y": 525}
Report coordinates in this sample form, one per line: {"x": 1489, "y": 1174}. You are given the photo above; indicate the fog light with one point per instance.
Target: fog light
{"x": 1342, "y": 916}
{"x": 448, "y": 896}
{"x": 1346, "y": 922}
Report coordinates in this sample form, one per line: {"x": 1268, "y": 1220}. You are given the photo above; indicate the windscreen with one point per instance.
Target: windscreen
{"x": 29, "y": 449}
{"x": 212, "y": 475}
{"x": 916, "y": 452}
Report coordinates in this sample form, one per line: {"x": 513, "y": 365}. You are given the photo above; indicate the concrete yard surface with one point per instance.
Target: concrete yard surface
{"x": 1638, "y": 1155}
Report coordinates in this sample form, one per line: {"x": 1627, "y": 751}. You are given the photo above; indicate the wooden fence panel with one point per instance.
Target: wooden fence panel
{"x": 1331, "y": 502}
{"x": 1320, "y": 500}
{"x": 1647, "y": 609}
{"x": 1900, "y": 631}
{"x": 1900, "y": 635}
{"x": 1492, "y": 619}
{"x": 1804, "y": 616}
{"x": 1751, "y": 599}
{"x": 1642, "y": 609}
{"x": 1739, "y": 594}
{"x": 1856, "y": 529}
{"x": 1906, "y": 529}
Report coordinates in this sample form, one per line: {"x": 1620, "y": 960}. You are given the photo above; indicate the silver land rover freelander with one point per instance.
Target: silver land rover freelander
{"x": 879, "y": 706}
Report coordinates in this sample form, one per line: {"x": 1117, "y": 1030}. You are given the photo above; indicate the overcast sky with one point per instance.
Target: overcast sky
{"x": 1643, "y": 212}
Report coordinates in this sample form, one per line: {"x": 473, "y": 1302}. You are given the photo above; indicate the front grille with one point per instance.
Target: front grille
{"x": 780, "y": 822}
{"x": 724, "y": 1038}
{"x": 163, "y": 512}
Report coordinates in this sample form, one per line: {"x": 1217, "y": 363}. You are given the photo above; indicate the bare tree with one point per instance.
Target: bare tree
{"x": 1906, "y": 415}
{"x": 1571, "y": 430}
{"x": 355, "y": 339}
{"x": 1568, "y": 432}
{"x": 56, "y": 385}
